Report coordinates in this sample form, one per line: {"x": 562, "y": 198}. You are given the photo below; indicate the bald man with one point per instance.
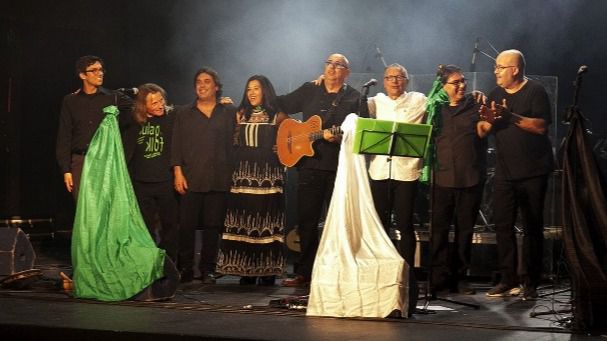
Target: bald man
{"x": 519, "y": 111}
{"x": 332, "y": 101}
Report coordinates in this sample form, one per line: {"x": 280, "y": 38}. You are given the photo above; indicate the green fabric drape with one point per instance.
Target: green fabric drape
{"x": 113, "y": 254}
{"x": 436, "y": 99}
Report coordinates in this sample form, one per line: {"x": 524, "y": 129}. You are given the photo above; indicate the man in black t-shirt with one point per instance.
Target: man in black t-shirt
{"x": 150, "y": 165}
{"x": 520, "y": 113}
{"x": 333, "y": 100}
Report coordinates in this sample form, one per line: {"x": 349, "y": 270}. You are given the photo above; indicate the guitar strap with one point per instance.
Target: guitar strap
{"x": 332, "y": 111}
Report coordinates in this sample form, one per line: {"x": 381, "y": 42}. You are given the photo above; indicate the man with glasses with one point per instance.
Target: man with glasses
{"x": 519, "y": 111}
{"x": 81, "y": 114}
{"x": 332, "y": 101}
{"x": 394, "y": 179}
{"x": 458, "y": 180}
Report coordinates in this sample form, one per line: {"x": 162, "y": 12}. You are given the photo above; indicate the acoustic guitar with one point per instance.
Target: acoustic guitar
{"x": 294, "y": 138}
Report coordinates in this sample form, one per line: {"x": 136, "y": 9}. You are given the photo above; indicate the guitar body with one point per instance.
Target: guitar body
{"x": 294, "y": 141}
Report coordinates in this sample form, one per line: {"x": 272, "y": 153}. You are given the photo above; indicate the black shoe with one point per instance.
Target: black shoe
{"x": 267, "y": 280}
{"x": 186, "y": 276}
{"x": 207, "y": 278}
{"x": 529, "y": 293}
{"x": 247, "y": 280}
{"x": 464, "y": 288}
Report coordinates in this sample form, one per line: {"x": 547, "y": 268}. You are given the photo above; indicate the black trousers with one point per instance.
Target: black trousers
{"x": 458, "y": 206}
{"x": 208, "y": 208}
{"x": 398, "y": 197}
{"x": 77, "y": 164}
{"x": 159, "y": 199}
{"x": 527, "y": 195}
{"x": 314, "y": 190}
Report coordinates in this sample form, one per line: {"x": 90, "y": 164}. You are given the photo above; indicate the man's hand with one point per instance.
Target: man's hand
{"x": 329, "y": 136}
{"x": 225, "y": 100}
{"x": 486, "y": 114}
{"x": 318, "y": 81}
{"x": 479, "y": 97}
{"x": 181, "y": 184}
{"x": 69, "y": 182}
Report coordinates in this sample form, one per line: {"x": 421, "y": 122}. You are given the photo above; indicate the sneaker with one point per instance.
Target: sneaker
{"x": 503, "y": 290}
{"x": 529, "y": 293}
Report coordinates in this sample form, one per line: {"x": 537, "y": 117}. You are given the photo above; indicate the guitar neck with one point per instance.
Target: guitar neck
{"x": 316, "y": 135}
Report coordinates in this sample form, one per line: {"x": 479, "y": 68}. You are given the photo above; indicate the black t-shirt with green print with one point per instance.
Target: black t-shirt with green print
{"x": 151, "y": 158}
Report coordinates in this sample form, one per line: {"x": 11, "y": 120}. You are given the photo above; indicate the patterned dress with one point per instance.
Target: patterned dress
{"x": 253, "y": 238}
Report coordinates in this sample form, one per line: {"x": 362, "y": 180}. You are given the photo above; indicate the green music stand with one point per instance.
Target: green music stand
{"x": 379, "y": 137}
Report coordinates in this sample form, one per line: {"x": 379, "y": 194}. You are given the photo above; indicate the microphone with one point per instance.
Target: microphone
{"x": 370, "y": 83}
{"x": 474, "y": 53}
{"x": 582, "y": 69}
{"x": 128, "y": 91}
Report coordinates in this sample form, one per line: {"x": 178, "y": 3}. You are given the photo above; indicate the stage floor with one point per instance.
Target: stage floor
{"x": 227, "y": 310}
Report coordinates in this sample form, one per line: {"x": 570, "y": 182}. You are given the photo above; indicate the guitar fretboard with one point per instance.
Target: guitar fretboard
{"x": 319, "y": 134}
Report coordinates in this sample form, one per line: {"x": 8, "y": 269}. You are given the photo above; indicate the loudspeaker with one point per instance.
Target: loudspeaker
{"x": 16, "y": 251}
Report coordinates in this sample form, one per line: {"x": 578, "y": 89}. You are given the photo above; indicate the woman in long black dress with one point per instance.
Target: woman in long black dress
{"x": 252, "y": 244}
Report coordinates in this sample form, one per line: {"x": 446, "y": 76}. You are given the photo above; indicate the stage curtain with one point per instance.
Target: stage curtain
{"x": 113, "y": 254}
{"x": 357, "y": 272}
{"x": 585, "y": 228}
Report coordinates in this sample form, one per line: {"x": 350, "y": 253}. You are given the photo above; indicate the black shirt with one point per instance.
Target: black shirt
{"x": 521, "y": 154}
{"x": 80, "y": 117}
{"x": 151, "y": 159}
{"x": 203, "y": 147}
{"x": 460, "y": 153}
{"x": 310, "y": 99}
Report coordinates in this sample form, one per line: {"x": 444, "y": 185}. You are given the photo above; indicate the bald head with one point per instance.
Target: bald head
{"x": 513, "y": 57}
{"x": 510, "y": 70}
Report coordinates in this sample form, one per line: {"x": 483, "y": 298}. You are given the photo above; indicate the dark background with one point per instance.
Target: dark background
{"x": 166, "y": 41}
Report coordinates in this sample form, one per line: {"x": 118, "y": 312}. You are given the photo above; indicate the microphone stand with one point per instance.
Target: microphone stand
{"x": 380, "y": 55}
{"x": 363, "y": 108}
{"x": 475, "y": 52}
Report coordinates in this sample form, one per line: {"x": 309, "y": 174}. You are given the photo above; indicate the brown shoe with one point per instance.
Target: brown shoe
{"x": 297, "y": 281}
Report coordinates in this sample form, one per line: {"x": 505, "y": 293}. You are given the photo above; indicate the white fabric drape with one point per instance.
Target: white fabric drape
{"x": 357, "y": 272}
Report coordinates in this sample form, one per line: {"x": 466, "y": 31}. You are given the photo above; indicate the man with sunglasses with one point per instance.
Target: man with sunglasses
{"x": 519, "y": 110}
{"x": 333, "y": 100}
{"x": 81, "y": 114}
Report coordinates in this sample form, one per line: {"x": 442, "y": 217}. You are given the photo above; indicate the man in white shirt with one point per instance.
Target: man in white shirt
{"x": 394, "y": 182}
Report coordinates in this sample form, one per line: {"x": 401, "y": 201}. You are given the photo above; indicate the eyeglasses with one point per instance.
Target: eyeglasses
{"x": 501, "y": 68}
{"x": 458, "y": 82}
{"x": 395, "y": 78}
{"x": 336, "y": 65}
{"x": 99, "y": 70}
